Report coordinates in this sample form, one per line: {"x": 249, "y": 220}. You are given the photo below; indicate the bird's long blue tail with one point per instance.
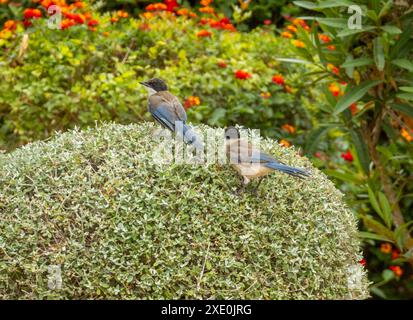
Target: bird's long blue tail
{"x": 296, "y": 172}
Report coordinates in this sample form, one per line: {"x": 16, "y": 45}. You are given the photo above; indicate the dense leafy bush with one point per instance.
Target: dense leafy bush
{"x": 369, "y": 104}
{"x": 119, "y": 226}
{"x": 77, "y": 75}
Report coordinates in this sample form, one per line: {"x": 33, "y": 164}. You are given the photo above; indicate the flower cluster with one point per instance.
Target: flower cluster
{"x": 192, "y": 101}
{"x": 387, "y": 249}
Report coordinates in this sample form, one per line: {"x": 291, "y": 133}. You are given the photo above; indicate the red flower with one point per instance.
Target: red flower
{"x": 32, "y": 13}
{"x": 347, "y": 156}
{"x": 171, "y": 5}
{"x": 92, "y": 23}
{"x": 242, "y": 75}
{"x": 267, "y": 22}
{"x": 398, "y": 271}
{"x": 395, "y": 254}
{"x": 278, "y": 79}
{"x": 363, "y": 262}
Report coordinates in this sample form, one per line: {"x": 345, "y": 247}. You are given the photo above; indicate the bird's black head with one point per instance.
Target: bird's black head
{"x": 155, "y": 84}
{"x": 232, "y": 133}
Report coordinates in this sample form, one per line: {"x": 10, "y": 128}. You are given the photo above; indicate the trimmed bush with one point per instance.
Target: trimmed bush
{"x": 119, "y": 226}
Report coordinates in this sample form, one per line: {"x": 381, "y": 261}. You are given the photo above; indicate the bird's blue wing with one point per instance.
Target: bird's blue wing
{"x": 165, "y": 116}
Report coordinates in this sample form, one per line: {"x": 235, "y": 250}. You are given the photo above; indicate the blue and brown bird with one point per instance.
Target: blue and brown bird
{"x": 251, "y": 163}
{"x": 166, "y": 109}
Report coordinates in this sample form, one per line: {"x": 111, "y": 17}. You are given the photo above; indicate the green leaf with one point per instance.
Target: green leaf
{"x": 386, "y": 209}
{"x": 378, "y": 52}
{"x": 374, "y": 203}
{"x": 403, "y": 63}
{"x": 349, "y": 32}
{"x": 387, "y": 275}
{"x": 406, "y": 89}
{"x": 353, "y": 95}
{"x": 378, "y": 228}
{"x": 361, "y": 150}
{"x": 372, "y": 236}
{"x": 403, "y": 107}
{"x": 397, "y": 49}
{"x": 340, "y": 23}
{"x": 324, "y": 4}
{"x": 300, "y": 61}
{"x": 386, "y": 8}
{"x": 378, "y": 292}
{"x": 314, "y": 138}
{"x": 343, "y": 176}
{"x": 357, "y": 62}
{"x": 405, "y": 96}
{"x": 391, "y": 29}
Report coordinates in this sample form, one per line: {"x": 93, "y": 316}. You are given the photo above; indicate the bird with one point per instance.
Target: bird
{"x": 166, "y": 109}
{"x": 251, "y": 162}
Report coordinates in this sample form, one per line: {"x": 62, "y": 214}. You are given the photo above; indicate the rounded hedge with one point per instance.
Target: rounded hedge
{"x": 117, "y": 225}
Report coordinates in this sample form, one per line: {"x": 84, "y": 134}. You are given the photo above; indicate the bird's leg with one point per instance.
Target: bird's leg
{"x": 244, "y": 183}
{"x": 255, "y": 191}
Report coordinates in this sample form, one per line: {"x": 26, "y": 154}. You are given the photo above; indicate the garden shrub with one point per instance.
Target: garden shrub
{"x": 119, "y": 226}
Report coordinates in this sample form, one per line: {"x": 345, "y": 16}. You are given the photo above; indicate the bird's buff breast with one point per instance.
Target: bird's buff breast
{"x": 252, "y": 170}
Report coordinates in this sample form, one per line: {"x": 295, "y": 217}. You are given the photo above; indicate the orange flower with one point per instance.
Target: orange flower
{"x": 300, "y": 22}
{"x": 10, "y": 25}
{"x": 406, "y": 135}
{"x": 148, "y": 15}
{"x": 206, "y": 3}
{"x": 398, "y": 271}
{"x": 182, "y": 12}
{"x": 334, "y": 89}
{"x": 67, "y": 23}
{"x": 207, "y": 10}
{"x": 298, "y": 43}
{"x": 156, "y": 7}
{"x": 193, "y": 15}
{"x": 331, "y": 47}
{"x": 79, "y": 4}
{"x": 242, "y": 75}
{"x": 286, "y": 35}
{"x": 278, "y": 79}
{"x": 385, "y": 247}
{"x": 395, "y": 254}
{"x": 122, "y": 14}
{"x": 265, "y": 95}
{"x": 203, "y": 34}
{"x": 192, "y": 101}
{"x": 115, "y": 19}
{"x": 289, "y": 128}
{"x": 333, "y": 68}
{"x": 292, "y": 28}
{"x": 284, "y": 143}
{"x": 325, "y": 38}
{"x": 105, "y": 34}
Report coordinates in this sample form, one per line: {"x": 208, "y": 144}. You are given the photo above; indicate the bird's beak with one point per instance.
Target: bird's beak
{"x": 143, "y": 83}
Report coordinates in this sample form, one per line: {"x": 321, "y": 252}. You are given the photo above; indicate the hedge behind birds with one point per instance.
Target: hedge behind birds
{"x": 94, "y": 205}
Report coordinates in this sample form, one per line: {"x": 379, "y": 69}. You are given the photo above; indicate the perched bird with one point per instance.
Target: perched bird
{"x": 166, "y": 109}
{"x": 251, "y": 162}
